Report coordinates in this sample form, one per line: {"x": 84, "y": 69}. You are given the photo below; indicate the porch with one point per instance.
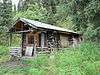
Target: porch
{"x": 35, "y": 42}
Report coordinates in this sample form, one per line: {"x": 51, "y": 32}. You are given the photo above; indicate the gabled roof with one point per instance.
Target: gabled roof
{"x": 38, "y": 24}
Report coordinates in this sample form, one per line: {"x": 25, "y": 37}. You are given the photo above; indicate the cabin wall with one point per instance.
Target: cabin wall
{"x": 64, "y": 40}
{"x": 48, "y": 40}
{"x": 52, "y": 39}
{"x": 30, "y": 41}
{"x": 74, "y": 40}
{"x": 34, "y": 39}
{"x": 19, "y": 26}
{"x": 57, "y": 40}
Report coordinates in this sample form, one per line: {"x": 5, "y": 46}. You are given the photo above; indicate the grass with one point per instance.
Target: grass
{"x": 83, "y": 60}
{"x": 4, "y": 54}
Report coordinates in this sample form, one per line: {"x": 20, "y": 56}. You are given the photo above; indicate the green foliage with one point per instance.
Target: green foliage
{"x": 16, "y": 40}
{"x": 5, "y": 20}
{"x": 90, "y": 51}
{"x": 79, "y": 15}
{"x": 5, "y": 14}
{"x": 4, "y": 54}
{"x": 33, "y": 12}
{"x": 4, "y": 41}
{"x": 83, "y": 60}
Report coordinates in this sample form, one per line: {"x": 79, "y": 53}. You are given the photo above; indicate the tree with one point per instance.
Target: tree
{"x": 5, "y": 20}
{"x": 5, "y": 14}
{"x": 80, "y": 15}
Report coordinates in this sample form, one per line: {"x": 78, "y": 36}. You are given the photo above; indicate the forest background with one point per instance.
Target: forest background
{"x": 82, "y": 16}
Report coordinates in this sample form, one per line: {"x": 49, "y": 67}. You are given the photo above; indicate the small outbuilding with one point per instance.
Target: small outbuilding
{"x": 37, "y": 35}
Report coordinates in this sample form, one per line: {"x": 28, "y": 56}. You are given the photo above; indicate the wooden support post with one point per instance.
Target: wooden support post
{"x": 22, "y": 44}
{"x": 35, "y": 54}
{"x": 58, "y": 45}
{"x": 10, "y": 39}
{"x": 42, "y": 39}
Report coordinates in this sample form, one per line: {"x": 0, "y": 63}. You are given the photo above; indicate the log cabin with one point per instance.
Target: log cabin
{"x": 37, "y": 35}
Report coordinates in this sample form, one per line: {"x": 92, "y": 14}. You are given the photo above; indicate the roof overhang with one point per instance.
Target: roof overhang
{"x": 40, "y": 25}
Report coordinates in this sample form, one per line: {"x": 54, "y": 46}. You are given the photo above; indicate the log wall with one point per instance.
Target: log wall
{"x": 64, "y": 41}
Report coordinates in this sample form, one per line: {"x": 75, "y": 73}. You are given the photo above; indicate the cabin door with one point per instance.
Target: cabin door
{"x": 30, "y": 45}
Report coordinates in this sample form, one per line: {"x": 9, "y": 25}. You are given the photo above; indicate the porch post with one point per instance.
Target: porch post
{"x": 10, "y": 39}
{"x": 42, "y": 39}
{"x": 22, "y": 51}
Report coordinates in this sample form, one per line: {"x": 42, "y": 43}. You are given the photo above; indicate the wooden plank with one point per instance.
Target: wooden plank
{"x": 64, "y": 41}
{"x": 24, "y": 31}
{"x": 28, "y": 51}
{"x": 15, "y": 51}
{"x": 36, "y": 39}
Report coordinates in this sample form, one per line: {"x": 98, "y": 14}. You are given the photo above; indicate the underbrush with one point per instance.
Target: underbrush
{"x": 4, "y": 54}
{"x": 83, "y": 60}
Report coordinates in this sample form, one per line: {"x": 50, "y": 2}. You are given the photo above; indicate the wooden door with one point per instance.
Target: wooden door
{"x": 30, "y": 44}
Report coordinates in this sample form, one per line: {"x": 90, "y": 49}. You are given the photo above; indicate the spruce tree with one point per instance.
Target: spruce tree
{"x": 5, "y": 20}
{"x": 5, "y": 14}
